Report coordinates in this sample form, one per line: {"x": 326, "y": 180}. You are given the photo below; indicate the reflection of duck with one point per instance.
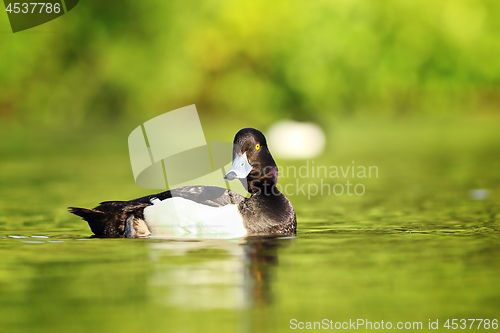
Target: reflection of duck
{"x": 262, "y": 256}
{"x": 232, "y": 276}
{"x": 206, "y": 211}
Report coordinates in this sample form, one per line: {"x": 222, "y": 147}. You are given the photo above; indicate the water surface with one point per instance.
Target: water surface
{"x": 416, "y": 247}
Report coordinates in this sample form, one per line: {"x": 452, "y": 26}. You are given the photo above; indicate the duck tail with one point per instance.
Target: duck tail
{"x": 109, "y": 219}
{"x": 95, "y": 218}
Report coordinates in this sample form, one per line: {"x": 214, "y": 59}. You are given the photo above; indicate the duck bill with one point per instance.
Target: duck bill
{"x": 240, "y": 168}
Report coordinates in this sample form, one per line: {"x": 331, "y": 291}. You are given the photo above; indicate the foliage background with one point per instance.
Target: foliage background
{"x": 268, "y": 60}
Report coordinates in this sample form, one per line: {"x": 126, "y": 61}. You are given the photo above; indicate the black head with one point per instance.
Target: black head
{"x": 260, "y": 169}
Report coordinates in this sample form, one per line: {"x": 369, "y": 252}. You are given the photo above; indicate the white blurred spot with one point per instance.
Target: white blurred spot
{"x": 479, "y": 194}
{"x": 296, "y": 140}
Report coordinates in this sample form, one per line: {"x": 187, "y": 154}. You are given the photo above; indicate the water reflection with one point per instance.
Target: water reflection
{"x": 215, "y": 274}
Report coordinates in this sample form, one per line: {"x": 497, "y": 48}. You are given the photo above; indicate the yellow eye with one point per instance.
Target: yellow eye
{"x": 257, "y": 146}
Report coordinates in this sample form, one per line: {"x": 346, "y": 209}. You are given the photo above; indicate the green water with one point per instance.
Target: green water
{"x": 415, "y": 247}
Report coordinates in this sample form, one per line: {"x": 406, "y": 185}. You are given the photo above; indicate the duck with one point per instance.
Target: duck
{"x": 205, "y": 211}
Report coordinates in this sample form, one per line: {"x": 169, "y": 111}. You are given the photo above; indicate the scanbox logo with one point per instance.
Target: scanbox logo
{"x": 170, "y": 151}
{"x": 25, "y": 15}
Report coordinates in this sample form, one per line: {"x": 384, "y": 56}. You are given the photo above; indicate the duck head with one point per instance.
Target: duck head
{"x": 253, "y": 162}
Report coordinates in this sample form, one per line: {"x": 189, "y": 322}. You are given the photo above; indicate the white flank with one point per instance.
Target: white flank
{"x": 179, "y": 217}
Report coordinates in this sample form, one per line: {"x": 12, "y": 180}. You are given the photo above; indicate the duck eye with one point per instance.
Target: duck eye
{"x": 257, "y": 146}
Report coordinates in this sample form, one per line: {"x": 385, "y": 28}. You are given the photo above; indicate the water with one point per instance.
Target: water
{"x": 253, "y": 285}
{"x": 418, "y": 246}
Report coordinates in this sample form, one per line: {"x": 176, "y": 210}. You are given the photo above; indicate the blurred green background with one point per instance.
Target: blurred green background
{"x": 137, "y": 59}
{"x": 412, "y": 87}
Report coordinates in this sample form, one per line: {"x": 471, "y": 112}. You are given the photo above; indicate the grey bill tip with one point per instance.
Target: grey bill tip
{"x": 230, "y": 175}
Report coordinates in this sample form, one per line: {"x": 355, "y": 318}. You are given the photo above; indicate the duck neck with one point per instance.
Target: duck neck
{"x": 264, "y": 183}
